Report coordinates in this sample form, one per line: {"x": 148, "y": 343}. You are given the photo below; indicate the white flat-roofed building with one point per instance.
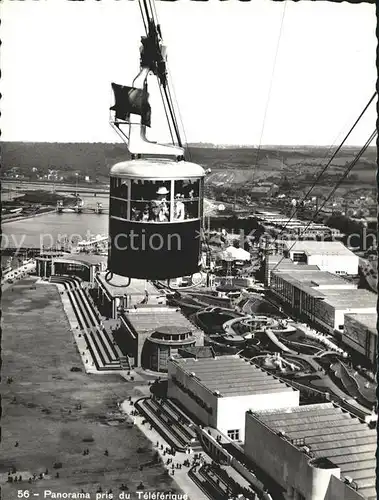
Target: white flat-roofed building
{"x": 361, "y": 334}
{"x": 321, "y": 297}
{"x": 279, "y": 262}
{"x": 219, "y": 391}
{"x": 296, "y": 228}
{"x": 315, "y": 278}
{"x": 315, "y": 452}
{"x": 298, "y": 286}
{"x": 331, "y": 256}
{"x": 337, "y": 303}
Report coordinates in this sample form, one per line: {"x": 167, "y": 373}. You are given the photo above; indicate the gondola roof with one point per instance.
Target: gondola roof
{"x": 157, "y": 168}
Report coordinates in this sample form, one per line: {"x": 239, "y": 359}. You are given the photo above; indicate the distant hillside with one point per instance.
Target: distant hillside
{"x": 232, "y": 165}
{"x": 93, "y": 159}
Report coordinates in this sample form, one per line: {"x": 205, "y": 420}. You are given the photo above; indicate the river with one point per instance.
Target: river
{"x": 46, "y": 230}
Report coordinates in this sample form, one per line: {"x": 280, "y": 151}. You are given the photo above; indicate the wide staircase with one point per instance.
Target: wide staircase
{"x": 170, "y": 422}
{"x": 216, "y": 483}
{"x": 104, "y": 351}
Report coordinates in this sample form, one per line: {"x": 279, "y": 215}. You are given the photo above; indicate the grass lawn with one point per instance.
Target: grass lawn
{"x": 40, "y": 407}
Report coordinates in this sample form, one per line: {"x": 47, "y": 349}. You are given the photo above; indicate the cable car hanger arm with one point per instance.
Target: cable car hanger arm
{"x": 132, "y": 106}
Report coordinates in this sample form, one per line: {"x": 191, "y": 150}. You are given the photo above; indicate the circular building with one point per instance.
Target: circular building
{"x": 163, "y": 343}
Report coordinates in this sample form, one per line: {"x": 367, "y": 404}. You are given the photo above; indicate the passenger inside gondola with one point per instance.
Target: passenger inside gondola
{"x": 120, "y": 189}
{"x": 136, "y": 214}
{"x": 150, "y": 201}
{"x": 179, "y": 209}
{"x": 186, "y": 205}
{"x": 160, "y": 206}
{"x": 146, "y": 216}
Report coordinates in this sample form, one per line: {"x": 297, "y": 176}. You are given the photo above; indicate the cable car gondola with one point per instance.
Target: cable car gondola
{"x": 155, "y": 218}
{"x": 156, "y": 198}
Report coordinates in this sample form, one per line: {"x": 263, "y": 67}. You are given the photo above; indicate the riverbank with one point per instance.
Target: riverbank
{"x": 19, "y": 185}
{"x": 30, "y": 216}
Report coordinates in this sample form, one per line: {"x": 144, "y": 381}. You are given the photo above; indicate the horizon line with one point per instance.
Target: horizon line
{"x": 195, "y": 144}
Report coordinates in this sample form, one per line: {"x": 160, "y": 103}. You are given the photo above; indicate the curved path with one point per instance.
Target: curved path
{"x": 228, "y": 328}
{"x": 326, "y": 353}
{"x": 352, "y": 387}
{"x": 228, "y": 325}
{"x": 282, "y": 360}
{"x": 274, "y": 339}
{"x": 325, "y": 381}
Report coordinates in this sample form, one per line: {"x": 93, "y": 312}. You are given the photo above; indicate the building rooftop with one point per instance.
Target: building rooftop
{"x": 314, "y": 277}
{"x": 85, "y": 258}
{"x": 319, "y": 248}
{"x": 281, "y": 263}
{"x": 197, "y": 352}
{"x": 316, "y": 284}
{"x": 368, "y": 320}
{"x": 116, "y": 289}
{"x": 350, "y": 299}
{"x": 329, "y": 433}
{"x": 232, "y": 376}
{"x": 151, "y": 320}
{"x": 313, "y": 292}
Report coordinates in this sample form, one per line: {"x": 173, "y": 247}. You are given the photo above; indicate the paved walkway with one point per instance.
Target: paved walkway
{"x": 180, "y": 476}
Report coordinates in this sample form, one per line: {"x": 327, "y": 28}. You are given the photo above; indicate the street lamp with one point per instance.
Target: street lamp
{"x": 76, "y": 188}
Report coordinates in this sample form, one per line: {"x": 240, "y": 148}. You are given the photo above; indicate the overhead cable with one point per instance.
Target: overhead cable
{"x": 270, "y": 88}
{"x": 348, "y": 170}
{"x": 329, "y": 162}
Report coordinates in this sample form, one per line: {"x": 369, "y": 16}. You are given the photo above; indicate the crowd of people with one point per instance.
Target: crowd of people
{"x": 159, "y": 209}
{"x": 151, "y": 201}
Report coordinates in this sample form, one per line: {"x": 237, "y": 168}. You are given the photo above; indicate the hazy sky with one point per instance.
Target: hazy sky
{"x": 59, "y": 58}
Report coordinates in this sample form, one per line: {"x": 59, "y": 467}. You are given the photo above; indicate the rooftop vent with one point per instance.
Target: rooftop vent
{"x": 192, "y": 374}
{"x": 216, "y": 393}
{"x": 350, "y": 481}
{"x": 298, "y": 441}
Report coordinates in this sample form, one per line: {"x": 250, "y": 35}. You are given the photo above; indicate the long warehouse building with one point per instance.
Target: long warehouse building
{"x": 315, "y": 452}
{"x": 320, "y": 297}
{"x": 219, "y": 391}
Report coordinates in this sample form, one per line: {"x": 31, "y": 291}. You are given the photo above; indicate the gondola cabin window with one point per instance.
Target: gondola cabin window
{"x": 119, "y": 198}
{"x": 186, "y": 199}
{"x": 150, "y": 201}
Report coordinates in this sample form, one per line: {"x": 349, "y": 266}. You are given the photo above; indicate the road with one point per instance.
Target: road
{"x": 50, "y": 186}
